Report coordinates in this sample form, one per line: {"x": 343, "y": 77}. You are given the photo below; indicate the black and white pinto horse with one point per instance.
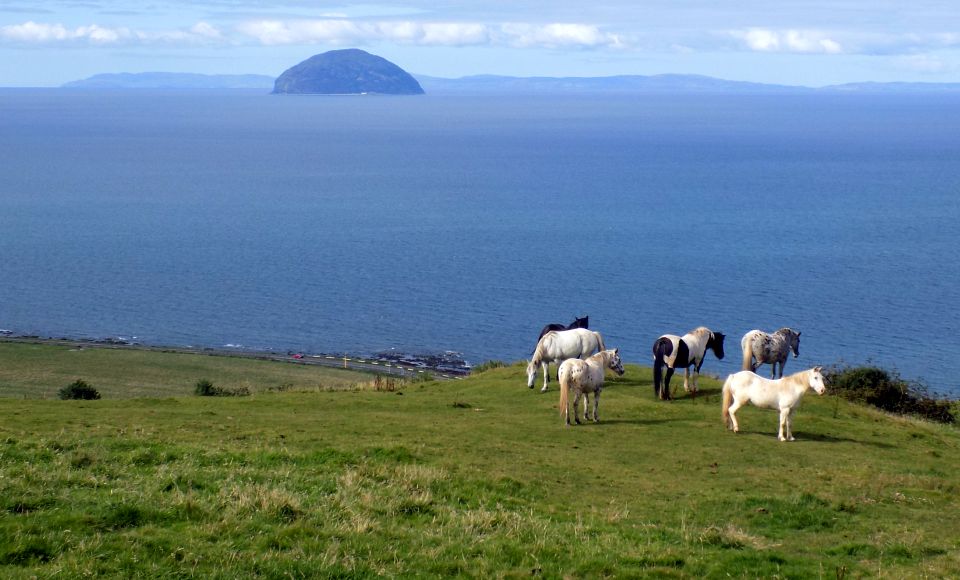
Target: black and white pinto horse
{"x": 581, "y": 322}
{"x": 675, "y": 352}
{"x": 769, "y": 348}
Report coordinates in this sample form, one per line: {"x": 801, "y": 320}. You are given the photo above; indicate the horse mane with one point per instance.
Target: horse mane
{"x": 701, "y": 331}
{"x": 801, "y": 378}
{"x": 538, "y": 352}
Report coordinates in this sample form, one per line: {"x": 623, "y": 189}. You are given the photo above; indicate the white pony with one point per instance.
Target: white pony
{"x": 769, "y": 348}
{"x": 586, "y": 377}
{"x": 782, "y": 394}
{"x": 559, "y": 345}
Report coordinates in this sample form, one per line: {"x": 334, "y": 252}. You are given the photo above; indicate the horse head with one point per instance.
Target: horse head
{"x": 816, "y": 380}
{"x": 613, "y": 361}
{"x": 795, "y": 343}
{"x": 581, "y": 322}
{"x": 532, "y": 371}
{"x": 716, "y": 343}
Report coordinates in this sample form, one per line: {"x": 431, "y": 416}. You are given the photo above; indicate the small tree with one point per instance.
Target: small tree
{"x": 79, "y": 390}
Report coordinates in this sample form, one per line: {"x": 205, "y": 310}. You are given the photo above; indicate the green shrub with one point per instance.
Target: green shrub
{"x": 486, "y": 366}
{"x": 205, "y": 388}
{"x": 886, "y": 390}
{"x": 78, "y": 390}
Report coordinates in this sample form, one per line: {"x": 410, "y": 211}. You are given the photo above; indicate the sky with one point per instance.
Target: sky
{"x": 794, "y": 42}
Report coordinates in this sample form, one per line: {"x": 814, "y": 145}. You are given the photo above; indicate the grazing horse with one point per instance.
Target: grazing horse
{"x": 557, "y": 346}
{"x": 676, "y": 352}
{"x": 769, "y": 348}
{"x": 586, "y": 377}
{"x": 781, "y": 394}
{"x": 581, "y": 322}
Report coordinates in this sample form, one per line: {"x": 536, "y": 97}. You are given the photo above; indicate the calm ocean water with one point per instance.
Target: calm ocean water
{"x": 360, "y": 224}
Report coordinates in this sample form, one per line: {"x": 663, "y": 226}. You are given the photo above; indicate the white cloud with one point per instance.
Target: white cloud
{"x": 558, "y": 35}
{"x": 339, "y": 31}
{"x": 798, "y": 41}
{"x": 39, "y": 34}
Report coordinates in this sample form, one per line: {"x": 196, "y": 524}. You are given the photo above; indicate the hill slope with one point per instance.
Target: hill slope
{"x": 476, "y": 477}
{"x": 166, "y": 80}
{"x": 346, "y": 72}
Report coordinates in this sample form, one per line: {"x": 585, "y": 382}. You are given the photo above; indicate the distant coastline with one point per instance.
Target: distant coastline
{"x": 444, "y": 365}
{"x": 495, "y": 84}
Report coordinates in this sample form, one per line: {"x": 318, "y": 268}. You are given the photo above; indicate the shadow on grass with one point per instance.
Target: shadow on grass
{"x": 805, "y": 437}
{"x": 604, "y": 421}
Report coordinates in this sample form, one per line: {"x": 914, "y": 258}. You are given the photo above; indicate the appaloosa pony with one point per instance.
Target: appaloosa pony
{"x": 585, "y": 377}
{"x": 769, "y": 348}
{"x": 675, "y": 352}
{"x": 559, "y": 345}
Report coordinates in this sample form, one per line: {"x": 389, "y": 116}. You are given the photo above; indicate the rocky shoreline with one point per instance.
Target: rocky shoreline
{"x": 448, "y": 364}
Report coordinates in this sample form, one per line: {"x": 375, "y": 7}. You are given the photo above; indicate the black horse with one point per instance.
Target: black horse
{"x": 582, "y": 322}
{"x": 675, "y": 352}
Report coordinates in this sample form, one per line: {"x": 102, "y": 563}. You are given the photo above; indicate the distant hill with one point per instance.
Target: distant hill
{"x": 666, "y": 83}
{"x": 167, "y": 80}
{"x": 354, "y": 71}
{"x": 346, "y": 72}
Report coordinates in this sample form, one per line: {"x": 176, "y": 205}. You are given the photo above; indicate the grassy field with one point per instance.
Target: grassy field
{"x": 476, "y": 477}
{"x": 40, "y": 370}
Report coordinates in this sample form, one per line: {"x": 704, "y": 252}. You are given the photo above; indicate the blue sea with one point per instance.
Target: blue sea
{"x": 435, "y": 223}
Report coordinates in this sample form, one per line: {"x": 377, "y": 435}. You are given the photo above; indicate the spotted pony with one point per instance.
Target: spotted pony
{"x": 769, "y": 348}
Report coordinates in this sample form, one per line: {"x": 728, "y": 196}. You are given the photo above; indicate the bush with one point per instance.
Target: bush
{"x": 78, "y": 390}
{"x": 887, "y": 391}
{"x": 205, "y": 388}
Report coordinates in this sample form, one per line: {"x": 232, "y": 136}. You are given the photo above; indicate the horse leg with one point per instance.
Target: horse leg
{"x": 686, "y": 379}
{"x": 773, "y": 370}
{"x": 790, "y": 425}
{"x": 665, "y": 387}
{"x": 732, "y": 411}
{"x": 784, "y": 416}
{"x": 576, "y": 407}
{"x": 782, "y": 364}
{"x": 546, "y": 375}
{"x": 596, "y": 406}
{"x": 586, "y": 406}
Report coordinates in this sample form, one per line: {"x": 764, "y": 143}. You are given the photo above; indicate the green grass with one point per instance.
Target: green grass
{"x": 476, "y": 477}
{"x": 41, "y": 370}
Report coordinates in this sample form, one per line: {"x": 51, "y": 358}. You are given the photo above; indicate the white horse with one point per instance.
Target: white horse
{"x": 586, "y": 377}
{"x": 769, "y": 348}
{"x": 673, "y": 352}
{"x": 782, "y": 394}
{"x": 557, "y": 346}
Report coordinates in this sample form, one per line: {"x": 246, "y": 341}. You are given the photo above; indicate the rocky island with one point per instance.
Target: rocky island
{"x": 346, "y": 72}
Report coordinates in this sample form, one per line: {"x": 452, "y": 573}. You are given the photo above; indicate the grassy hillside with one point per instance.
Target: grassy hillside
{"x": 476, "y": 477}
{"x": 41, "y": 370}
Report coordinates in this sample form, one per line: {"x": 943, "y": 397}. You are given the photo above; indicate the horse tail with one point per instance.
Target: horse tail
{"x": 600, "y": 344}
{"x": 563, "y": 376}
{"x": 727, "y": 400}
{"x": 747, "y": 357}
{"x": 658, "y": 362}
